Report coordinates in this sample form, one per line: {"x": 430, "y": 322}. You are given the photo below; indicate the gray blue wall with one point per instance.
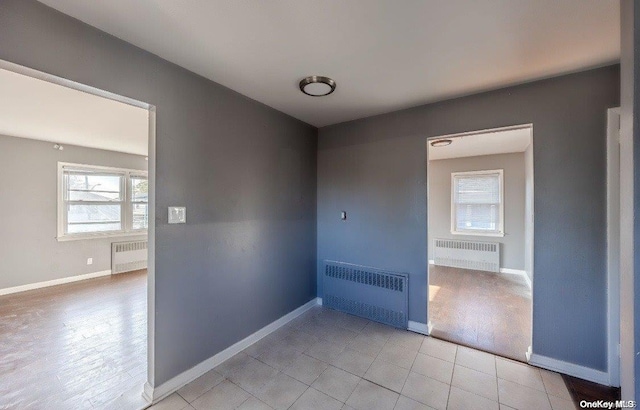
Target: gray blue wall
{"x": 245, "y": 172}
{"x": 28, "y": 182}
{"x": 513, "y": 165}
{"x": 375, "y": 169}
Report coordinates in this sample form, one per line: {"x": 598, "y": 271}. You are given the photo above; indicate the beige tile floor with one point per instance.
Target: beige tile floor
{"x": 330, "y": 360}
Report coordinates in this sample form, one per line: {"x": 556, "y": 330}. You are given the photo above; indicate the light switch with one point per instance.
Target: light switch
{"x": 343, "y": 215}
{"x": 177, "y": 215}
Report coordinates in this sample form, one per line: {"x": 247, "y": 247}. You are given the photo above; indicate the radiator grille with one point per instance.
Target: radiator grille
{"x": 367, "y": 292}
{"x": 128, "y": 256}
{"x": 467, "y": 254}
{"x": 382, "y": 280}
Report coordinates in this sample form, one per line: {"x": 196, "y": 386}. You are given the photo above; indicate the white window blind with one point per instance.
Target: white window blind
{"x": 477, "y": 202}
{"x": 101, "y": 201}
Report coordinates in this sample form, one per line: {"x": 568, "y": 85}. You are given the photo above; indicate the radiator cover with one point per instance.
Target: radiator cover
{"x": 474, "y": 255}
{"x": 128, "y": 256}
{"x": 371, "y": 293}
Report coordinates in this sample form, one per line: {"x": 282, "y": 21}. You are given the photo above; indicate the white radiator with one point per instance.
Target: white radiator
{"x": 467, "y": 254}
{"x": 128, "y": 256}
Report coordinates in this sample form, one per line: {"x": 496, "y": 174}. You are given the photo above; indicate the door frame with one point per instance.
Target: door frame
{"x": 613, "y": 245}
{"x": 530, "y": 233}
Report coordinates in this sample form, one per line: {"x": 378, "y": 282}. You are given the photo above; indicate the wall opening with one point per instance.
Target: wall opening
{"x": 92, "y": 153}
{"x": 480, "y": 239}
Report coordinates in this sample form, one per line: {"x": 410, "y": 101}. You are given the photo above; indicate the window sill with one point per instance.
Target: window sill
{"x": 82, "y": 237}
{"x": 488, "y": 234}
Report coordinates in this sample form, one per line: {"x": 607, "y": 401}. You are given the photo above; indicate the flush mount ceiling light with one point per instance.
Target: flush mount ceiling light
{"x": 441, "y": 143}
{"x": 317, "y": 85}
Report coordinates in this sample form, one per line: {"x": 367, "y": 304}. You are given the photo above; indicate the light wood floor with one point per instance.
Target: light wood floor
{"x": 483, "y": 310}
{"x": 78, "y": 345}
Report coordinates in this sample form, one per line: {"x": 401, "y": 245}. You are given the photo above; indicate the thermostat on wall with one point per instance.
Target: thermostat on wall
{"x": 177, "y": 215}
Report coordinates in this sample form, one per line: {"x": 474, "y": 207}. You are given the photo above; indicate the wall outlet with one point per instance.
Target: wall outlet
{"x": 89, "y": 261}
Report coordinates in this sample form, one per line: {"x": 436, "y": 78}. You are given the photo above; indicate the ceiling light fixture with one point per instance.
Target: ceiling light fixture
{"x": 441, "y": 143}
{"x": 317, "y": 85}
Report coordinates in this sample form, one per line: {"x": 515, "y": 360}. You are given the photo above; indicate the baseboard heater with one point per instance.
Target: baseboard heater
{"x": 474, "y": 255}
{"x": 128, "y": 256}
{"x": 370, "y": 293}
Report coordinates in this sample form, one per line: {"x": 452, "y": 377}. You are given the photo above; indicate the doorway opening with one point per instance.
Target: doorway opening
{"x": 77, "y": 277}
{"x": 480, "y": 239}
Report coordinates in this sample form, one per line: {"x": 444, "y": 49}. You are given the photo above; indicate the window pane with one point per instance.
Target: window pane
{"x": 480, "y": 217}
{"x": 93, "y": 187}
{"x": 93, "y": 218}
{"x": 480, "y": 189}
{"x": 140, "y": 216}
{"x": 139, "y": 189}
{"x": 477, "y": 201}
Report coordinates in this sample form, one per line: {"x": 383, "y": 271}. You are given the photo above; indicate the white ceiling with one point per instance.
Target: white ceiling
{"x": 488, "y": 143}
{"x": 37, "y": 109}
{"x": 384, "y": 55}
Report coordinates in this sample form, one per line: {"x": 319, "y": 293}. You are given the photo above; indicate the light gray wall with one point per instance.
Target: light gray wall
{"x": 245, "y": 172}
{"x": 439, "y": 173}
{"x": 28, "y": 182}
{"x": 375, "y": 169}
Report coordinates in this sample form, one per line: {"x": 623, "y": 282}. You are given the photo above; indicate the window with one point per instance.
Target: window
{"x": 477, "y": 206}
{"x": 100, "y": 201}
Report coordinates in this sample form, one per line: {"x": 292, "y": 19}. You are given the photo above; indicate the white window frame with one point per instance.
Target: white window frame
{"x": 500, "y": 231}
{"x": 127, "y": 203}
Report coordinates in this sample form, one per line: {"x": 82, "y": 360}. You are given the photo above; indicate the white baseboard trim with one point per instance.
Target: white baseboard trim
{"x": 147, "y": 393}
{"x": 512, "y": 271}
{"x": 319, "y": 300}
{"x": 61, "y": 281}
{"x": 522, "y": 273}
{"x": 586, "y": 373}
{"x": 417, "y": 327}
{"x": 432, "y": 262}
{"x": 155, "y": 394}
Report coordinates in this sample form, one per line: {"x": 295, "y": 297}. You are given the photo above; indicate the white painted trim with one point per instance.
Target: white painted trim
{"x": 147, "y": 392}
{"x": 61, "y": 281}
{"x": 510, "y": 271}
{"x": 319, "y": 301}
{"x": 613, "y": 244}
{"x": 478, "y": 233}
{"x": 155, "y": 394}
{"x": 54, "y": 79}
{"x": 571, "y": 369}
{"x": 485, "y": 131}
{"x": 522, "y": 273}
{"x": 417, "y": 327}
{"x": 432, "y": 262}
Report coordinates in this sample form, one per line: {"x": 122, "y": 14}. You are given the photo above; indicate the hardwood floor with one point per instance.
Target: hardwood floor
{"x": 79, "y": 345}
{"x": 483, "y": 310}
{"x": 589, "y": 391}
